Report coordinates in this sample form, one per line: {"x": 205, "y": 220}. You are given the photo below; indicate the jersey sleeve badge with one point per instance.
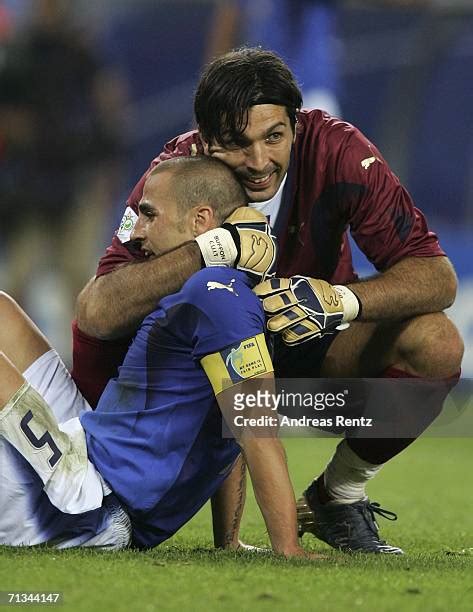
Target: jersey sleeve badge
{"x": 237, "y": 362}
{"x": 127, "y": 225}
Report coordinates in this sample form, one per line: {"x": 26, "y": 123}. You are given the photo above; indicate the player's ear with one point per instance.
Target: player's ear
{"x": 203, "y": 219}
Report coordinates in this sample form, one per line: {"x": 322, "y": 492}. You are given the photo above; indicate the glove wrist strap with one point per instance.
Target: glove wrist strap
{"x": 217, "y": 248}
{"x": 351, "y": 303}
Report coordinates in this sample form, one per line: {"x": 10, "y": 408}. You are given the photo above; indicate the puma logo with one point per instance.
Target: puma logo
{"x": 216, "y": 285}
{"x": 366, "y": 163}
{"x": 259, "y": 248}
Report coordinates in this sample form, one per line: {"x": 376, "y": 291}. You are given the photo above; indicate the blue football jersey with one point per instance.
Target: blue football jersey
{"x": 156, "y": 436}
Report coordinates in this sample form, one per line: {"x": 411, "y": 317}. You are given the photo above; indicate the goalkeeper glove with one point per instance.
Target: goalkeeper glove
{"x": 303, "y": 308}
{"x": 244, "y": 242}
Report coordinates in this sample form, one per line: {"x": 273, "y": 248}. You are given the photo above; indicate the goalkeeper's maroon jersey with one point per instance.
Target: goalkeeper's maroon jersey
{"x": 337, "y": 181}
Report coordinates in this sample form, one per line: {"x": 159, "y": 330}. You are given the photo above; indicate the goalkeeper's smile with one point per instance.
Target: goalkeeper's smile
{"x": 260, "y": 156}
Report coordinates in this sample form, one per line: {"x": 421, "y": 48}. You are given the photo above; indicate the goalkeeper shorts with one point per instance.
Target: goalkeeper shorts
{"x": 302, "y": 360}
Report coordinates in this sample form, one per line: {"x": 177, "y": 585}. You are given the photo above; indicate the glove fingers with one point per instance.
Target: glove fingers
{"x": 289, "y": 317}
{"x": 246, "y": 215}
{"x": 278, "y": 302}
{"x": 272, "y": 286}
{"x": 301, "y": 332}
{"x": 302, "y": 308}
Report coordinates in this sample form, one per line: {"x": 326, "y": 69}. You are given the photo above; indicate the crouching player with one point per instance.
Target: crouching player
{"x": 152, "y": 453}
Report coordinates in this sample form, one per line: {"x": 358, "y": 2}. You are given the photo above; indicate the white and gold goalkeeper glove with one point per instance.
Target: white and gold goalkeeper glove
{"x": 303, "y": 308}
{"x": 244, "y": 242}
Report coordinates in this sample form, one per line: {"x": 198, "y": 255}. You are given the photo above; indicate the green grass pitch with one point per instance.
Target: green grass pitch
{"x": 429, "y": 486}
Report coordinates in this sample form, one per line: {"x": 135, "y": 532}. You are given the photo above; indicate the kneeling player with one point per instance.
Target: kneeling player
{"x": 154, "y": 446}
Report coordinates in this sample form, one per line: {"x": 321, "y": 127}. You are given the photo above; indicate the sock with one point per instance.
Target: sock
{"x": 345, "y": 477}
{"x": 434, "y": 392}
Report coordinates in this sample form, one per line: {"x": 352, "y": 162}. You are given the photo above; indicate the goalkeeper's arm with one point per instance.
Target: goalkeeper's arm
{"x": 303, "y": 308}
{"x": 113, "y": 305}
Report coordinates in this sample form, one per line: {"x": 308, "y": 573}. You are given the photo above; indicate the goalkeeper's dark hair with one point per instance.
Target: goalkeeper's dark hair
{"x": 232, "y": 83}
{"x": 203, "y": 179}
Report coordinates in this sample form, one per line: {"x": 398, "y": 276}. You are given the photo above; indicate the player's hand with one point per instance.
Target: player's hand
{"x": 303, "y": 308}
{"x": 298, "y": 552}
{"x": 254, "y": 549}
{"x": 244, "y": 242}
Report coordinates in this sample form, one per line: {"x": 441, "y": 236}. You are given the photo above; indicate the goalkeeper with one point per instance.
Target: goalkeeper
{"x": 153, "y": 450}
{"x": 315, "y": 177}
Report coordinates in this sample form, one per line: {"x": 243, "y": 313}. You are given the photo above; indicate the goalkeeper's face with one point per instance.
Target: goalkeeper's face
{"x": 260, "y": 156}
{"x": 160, "y": 227}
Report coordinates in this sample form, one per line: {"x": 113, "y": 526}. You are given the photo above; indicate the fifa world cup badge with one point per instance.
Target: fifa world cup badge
{"x": 127, "y": 224}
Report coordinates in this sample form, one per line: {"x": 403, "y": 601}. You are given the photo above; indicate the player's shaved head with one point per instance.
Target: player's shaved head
{"x": 236, "y": 81}
{"x": 203, "y": 180}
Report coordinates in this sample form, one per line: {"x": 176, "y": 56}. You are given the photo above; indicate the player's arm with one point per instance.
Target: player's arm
{"x": 415, "y": 277}
{"x": 262, "y": 450}
{"x": 266, "y": 460}
{"x": 412, "y": 286}
{"x": 302, "y": 308}
{"x": 112, "y": 305}
{"x": 273, "y": 491}
{"x": 227, "y": 507}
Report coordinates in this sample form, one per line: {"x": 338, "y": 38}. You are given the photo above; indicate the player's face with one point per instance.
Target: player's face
{"x": 260, "y": 159}
{"x": 160, "y": 228}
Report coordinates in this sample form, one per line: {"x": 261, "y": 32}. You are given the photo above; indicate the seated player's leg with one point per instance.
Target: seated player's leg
{"x": 11, "y": 379}
{"x": 20, "y": 339}
{"x": 427, "y": 346}
{"x": 58, "y": 454}
{"x": 26, "y": 514}
{"x": 30, "y": 352}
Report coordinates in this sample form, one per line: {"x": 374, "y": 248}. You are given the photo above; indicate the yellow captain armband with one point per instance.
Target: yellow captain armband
{"x": 237, "y": 362}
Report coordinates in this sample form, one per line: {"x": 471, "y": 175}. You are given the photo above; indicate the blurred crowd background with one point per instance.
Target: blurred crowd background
{"x": 90, "y": 92}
